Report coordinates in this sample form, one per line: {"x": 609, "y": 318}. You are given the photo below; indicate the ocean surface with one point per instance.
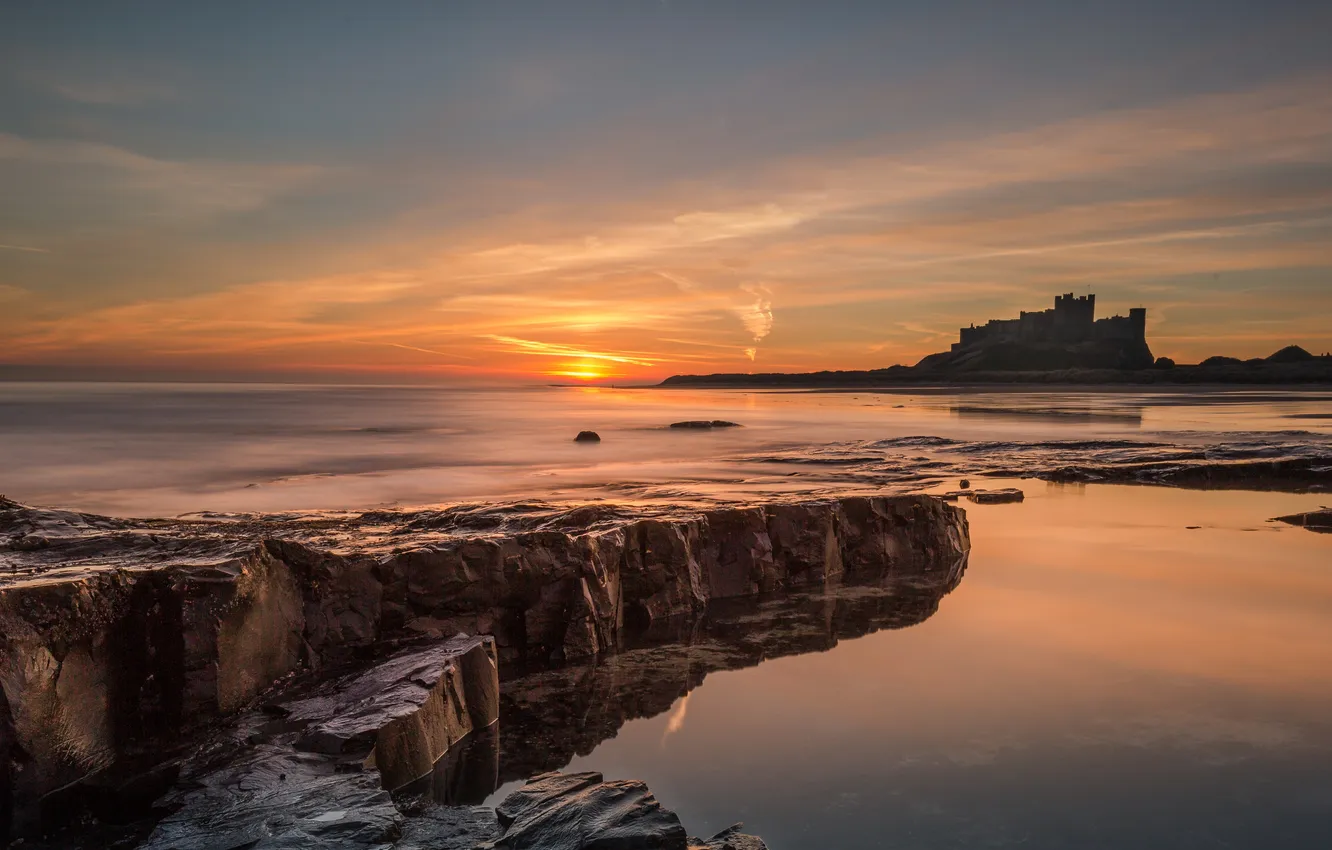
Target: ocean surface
{"x": 167, "y": 449}
{"x": 1119, "y": 665}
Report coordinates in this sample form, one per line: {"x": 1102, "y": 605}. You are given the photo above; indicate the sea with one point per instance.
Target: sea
{"x": 1123, "y": 662}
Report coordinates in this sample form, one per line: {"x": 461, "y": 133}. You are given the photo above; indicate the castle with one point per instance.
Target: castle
{"x": 1073, "y": 320}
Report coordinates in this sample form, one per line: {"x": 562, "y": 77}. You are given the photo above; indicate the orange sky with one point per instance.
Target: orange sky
{"x": 152, "y": 229}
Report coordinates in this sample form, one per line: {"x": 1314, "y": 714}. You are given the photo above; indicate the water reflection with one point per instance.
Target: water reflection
{"x": 1105, "y": 677}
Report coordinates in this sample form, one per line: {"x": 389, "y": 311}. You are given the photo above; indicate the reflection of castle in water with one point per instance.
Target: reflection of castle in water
{"x": 1072, "y": 320}
{"x": 549, "y": 716}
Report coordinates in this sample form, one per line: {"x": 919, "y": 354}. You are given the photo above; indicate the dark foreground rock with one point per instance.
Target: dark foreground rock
{"x": 408, "y": 711}
{"x": 572, "y": 811}
{"x": 587, "y": 437}
{"x": 1319, "y": 520}
{"x": 119, "y": 640}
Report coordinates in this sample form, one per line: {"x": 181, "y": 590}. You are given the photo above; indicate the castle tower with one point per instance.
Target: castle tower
{"x": 1138, "y": 321}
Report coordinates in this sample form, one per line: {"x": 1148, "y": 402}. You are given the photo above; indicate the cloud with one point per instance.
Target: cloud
{"x": 27, "y": 248}
{"x": 113, "y": 92}
{"x": 550, "y": 349}
{"x": 757, "y": 317}
{"x": 174, "y": 186}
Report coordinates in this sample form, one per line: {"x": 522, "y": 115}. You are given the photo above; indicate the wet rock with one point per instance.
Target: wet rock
{"x": 573, "y": 811}
{"x": 278, "y": 798}
{"x": 405, "y": 712}
{"x": 964, "y": 484}
{"x": 1319, "y": 520}
{"x": 705, "y": 424}
{"x": 122, "y": 635}
{"x": 95, "y": 661}
{"x": 996, "y": 497}
{"x": 730, "y": 838}
{"x": 587, "y": 437}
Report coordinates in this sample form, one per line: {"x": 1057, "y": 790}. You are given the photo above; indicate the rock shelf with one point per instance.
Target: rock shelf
{"x": 120, "y": 639}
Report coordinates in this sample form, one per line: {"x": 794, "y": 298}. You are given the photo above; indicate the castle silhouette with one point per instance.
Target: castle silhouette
{"x": 1071, "y": 321}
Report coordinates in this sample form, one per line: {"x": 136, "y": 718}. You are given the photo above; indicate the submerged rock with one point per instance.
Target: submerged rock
{"x": 996, "y": 497}
{"x": 587, "y": 437}
{"x": 1319, "y": 520}
{"x": 705, "y": 424}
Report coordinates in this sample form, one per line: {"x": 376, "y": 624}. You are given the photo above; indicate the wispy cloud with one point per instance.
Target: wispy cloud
{"x": 175, "y": 186}
{"x": 550, "y": 349}
{"x": 28, "y": 248}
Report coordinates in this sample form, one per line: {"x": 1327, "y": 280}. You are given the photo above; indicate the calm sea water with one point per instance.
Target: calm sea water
{"x": 1119, "y": 667}
{"x": 135, "y": 449}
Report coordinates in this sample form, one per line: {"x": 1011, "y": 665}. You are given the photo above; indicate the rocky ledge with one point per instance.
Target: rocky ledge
{"x": 121, "y": 642}
{"x": 1319, "y": 520}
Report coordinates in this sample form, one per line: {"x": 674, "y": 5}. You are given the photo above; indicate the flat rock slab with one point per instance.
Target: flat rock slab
{"x": 573, "y": 811}
{"x": 407, "y": 711}
{"x": 276, "y": 798}
{"x": 996, "y": 497}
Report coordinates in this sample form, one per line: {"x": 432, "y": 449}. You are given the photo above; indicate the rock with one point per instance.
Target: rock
{"x": 405, "y": 712}
{"x": 996, "y": 497}
{"x": 92, "y": 662}
{"x": 556, "y": 811}
{"x": 954, "y": 495}
{"x": 121, "y": 636}
{"x": 730, "y": 838}
{"x": 587, "y": 437}
{"x": 278, "y": 798}
{"x": 705, "y": 424}
{"x": 1319, "y": 520}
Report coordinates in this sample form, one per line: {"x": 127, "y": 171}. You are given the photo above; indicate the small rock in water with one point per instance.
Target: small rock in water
{"x": 1319, "y": 520}
{"x": 587, "y": 437}
{"x": 965, "y": 484}
{"x": 730, "y": 838}
{"x": 954, "y": 495}
{"x": 996, "y": 497}
{"x": 574, "y": 810}
{"x": 705, "y": 424}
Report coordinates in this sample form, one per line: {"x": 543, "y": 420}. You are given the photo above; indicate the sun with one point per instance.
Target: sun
{"x": 582, "y": 370}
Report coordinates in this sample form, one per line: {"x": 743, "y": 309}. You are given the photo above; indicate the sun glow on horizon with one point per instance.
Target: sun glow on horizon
{"x": 582, "y": 370}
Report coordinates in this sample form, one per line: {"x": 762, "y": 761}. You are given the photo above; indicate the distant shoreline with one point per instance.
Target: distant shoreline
{"x": 1314, "y": 372}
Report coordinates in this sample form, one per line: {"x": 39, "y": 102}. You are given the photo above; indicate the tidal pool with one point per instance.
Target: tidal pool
{"x": 1119, "y": 666}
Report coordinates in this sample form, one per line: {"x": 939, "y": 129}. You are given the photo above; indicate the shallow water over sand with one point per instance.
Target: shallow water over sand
{"x": 166, "y": 449}
{"x": 1103, "y": 676}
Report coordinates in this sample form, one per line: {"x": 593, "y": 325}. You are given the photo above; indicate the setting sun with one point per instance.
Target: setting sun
{"x": 582, "y": 370}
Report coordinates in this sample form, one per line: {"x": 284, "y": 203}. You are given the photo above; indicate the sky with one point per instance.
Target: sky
{"x": 621, "y": 191}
